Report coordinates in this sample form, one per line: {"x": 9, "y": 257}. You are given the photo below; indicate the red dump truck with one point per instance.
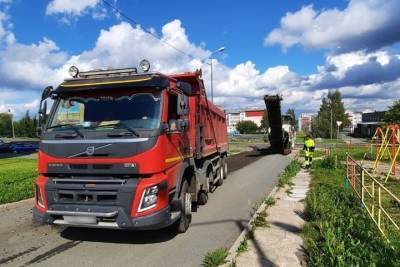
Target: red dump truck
{"x": 128, "y": 149}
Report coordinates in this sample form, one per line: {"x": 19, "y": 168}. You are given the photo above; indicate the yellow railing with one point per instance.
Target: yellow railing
{"x": 382, "y": 205}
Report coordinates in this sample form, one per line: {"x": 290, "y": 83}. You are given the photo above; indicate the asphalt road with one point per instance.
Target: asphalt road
{"x": 215, "y": 225}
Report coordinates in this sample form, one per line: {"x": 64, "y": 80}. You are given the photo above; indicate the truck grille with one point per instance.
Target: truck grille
{"x": 83, "y": 196}
{"x": 90, "y": 166}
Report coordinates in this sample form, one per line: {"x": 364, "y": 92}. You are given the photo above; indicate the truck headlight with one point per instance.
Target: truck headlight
{"x": 149, "y": 198}
{"x": 39, "y": 197}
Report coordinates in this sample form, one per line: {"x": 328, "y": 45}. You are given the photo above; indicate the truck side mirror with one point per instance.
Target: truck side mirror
{"x": 183, "y": 104}
{"x": 42, "y": 117}
{"x": 47, "y": 92}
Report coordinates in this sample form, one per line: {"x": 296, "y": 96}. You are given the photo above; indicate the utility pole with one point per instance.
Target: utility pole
{"x": 12, "y": 123}
{"x": 212, "y": 86}
{"x": 331, "y": 120}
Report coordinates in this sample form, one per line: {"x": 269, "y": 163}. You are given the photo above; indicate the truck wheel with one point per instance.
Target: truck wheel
{"x": 225, "y": 167}
{"x": 220, "y": 175}
{"x": 186, "y": 209}
{"x": 202, "y": 198}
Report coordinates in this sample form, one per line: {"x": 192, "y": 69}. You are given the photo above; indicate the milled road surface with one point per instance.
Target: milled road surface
{"x": 215, "y": 225}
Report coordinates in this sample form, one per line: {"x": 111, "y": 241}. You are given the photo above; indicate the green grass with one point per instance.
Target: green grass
{"x": 16, "y": 179}
{"x": 339, "y": 232}
{"x": 300, "y": 140}
{"x": 260, "y": 220}
{"x": 290, "y": 171}
{"x": 270, "y": 201}
{"x": 243, "y": 246}
{"x": 244, "y": 142}
{"x": 239, "y": 147}
{"x": 215, "y": 258}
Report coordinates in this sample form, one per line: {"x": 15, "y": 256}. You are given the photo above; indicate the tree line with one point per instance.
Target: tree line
{"x": 25, "y": 127}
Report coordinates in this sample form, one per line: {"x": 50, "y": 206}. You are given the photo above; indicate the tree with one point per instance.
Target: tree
{"x": 5, "y": 125}
{"x": 247, "y": 127}
{"x": 26, "y": 127}
{"x": 264, "y": 121}
{"x": 290, "y": 112}
{"x": 393, "y": 114}
{"x": 321, "y": 124}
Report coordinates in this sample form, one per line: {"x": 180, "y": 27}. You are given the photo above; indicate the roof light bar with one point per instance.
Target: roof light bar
{"x": 112, "y": 72}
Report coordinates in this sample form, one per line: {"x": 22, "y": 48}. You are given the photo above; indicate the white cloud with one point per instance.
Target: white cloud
{"x": 70, "y": 7}
{"x": 31, "y": 66}
{"x": 363, "y": 24}
{"x": 69, "y": 10}
{"x": 6, "y": 35}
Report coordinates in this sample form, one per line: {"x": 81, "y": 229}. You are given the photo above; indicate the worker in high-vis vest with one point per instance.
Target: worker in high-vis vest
{"x": 309, "y": 147}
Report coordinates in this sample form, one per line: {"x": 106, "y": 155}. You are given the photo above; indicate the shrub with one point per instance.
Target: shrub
{"x": 215, "y": 258}
{"x": 247, "y": 127}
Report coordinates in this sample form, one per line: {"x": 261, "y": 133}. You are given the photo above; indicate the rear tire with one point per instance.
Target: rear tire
{"x": 186, "y": 209}
{"x": 221, "y": 175}
{"x": 225, "y": 167}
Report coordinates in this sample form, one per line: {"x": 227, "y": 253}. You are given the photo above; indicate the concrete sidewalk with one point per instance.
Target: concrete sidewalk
{"x": 280, "y": 244}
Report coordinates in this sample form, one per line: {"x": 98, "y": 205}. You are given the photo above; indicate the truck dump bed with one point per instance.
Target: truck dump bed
{"x": 210, "y": 134}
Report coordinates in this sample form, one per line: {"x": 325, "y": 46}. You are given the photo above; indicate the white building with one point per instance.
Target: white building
{"x": 234, "y": 117}
{"x": 355, "y": 118}
{"x": 305, "y": 121}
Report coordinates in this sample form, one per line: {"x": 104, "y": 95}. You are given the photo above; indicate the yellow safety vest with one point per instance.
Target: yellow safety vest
{"x": 309, "y": 143}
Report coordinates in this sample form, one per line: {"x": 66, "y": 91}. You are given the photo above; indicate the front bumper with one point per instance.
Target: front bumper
{"x": 106, "y": 217}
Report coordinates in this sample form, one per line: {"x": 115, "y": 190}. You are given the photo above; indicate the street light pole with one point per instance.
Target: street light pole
{"x": 219, "y": 50}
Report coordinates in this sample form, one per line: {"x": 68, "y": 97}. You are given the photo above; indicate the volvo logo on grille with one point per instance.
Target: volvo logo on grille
{"x": 90, "y": 150}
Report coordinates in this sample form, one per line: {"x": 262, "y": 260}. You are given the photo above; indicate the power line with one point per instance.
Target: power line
{"x": 135, "y": 23}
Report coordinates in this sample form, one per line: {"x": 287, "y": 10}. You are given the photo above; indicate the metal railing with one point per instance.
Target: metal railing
{"x": 382, "y": 205}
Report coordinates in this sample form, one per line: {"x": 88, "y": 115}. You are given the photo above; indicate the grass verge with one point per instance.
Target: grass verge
{"x": 215, "y": 258}
{"x": 16, "y": 179}
{"x": 290, "y": 171}
{"x": 339, "y": 231}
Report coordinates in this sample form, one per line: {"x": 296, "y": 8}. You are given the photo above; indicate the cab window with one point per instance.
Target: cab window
{"x": 172, "y": 112}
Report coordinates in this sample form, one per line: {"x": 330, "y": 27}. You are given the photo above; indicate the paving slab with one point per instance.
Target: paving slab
{"x": 280, "y": 244}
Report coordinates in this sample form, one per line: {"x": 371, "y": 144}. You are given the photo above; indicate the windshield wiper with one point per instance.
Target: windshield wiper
{"x": 70, "y": 126}
{"x": 124, "y": 125}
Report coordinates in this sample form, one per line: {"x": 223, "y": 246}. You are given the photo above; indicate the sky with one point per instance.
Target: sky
{"x": 298, "y": 49}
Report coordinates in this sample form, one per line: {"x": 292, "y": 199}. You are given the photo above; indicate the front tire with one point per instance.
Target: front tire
{"x": 186, "y": 209}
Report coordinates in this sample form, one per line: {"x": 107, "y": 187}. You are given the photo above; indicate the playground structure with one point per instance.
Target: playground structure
{"x": 387, "y": 147}
{"x": 382, "y": 205}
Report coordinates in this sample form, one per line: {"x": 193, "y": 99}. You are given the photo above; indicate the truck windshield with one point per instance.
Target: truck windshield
{"x": 137, "y": 111}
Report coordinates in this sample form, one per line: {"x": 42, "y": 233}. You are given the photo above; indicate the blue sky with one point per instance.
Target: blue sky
{"x": 300, "y": 49}
{"x": 216, "y": 23}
